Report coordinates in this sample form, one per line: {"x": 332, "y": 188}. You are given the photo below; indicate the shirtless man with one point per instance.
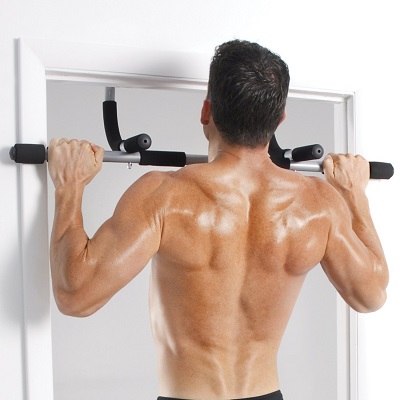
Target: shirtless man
{"x": 231, "y": 241}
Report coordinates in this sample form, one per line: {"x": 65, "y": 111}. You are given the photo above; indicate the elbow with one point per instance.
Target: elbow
{"x": 72, "y": 296}
{"x": 372, "y": 295}
{"x": 70, "y": 304}
{"x": 371, "y": 303}
{"x": 74, "y": 311}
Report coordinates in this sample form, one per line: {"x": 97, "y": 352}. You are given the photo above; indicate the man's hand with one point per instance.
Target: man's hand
{"x": 73, "y": 162}
{"x": 346, "y": 172}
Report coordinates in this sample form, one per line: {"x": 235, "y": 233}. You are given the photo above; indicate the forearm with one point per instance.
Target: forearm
{"x": 68, "y": 240}
{"x": 364, "y": 228}
{"x": 354, "y": 260}
{"x": 362, "y": 223}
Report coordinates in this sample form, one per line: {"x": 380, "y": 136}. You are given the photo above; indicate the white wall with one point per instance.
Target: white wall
{"x": 340, "y": 45}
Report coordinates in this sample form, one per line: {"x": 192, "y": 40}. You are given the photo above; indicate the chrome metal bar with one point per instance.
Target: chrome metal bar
{"x": 122, "y": 157}
{"x": 196, "y": 159}
{"x": 110, "y": 93}
{"x": 307, "y": 166}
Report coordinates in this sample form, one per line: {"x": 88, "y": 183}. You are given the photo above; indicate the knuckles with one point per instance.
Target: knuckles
{"x": 345, "y": 158}
{"x": 64, "y": 144}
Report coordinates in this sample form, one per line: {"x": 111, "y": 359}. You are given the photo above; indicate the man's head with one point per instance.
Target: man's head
{"x": 247, "y": 89}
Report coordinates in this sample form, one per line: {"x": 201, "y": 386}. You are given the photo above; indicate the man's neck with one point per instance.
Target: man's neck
{"x": 218, "y": 149}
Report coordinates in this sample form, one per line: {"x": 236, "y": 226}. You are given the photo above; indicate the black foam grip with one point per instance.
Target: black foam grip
{"x": 137, "y": 143}
{"x": 380, "y": 170}
{"x": 274, "y": 149}
{"x": 163, "y": 158}
{"x": 110, "y": 120}
{"x": 28, "y": 153}
{"x": 281, "y": 162}
{"x": 311, "y": 152}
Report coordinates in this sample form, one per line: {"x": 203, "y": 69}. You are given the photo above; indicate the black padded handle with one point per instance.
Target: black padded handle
{"x": 110, "y": 120}
{"x": 163, "y": 158}
{"x": 274, "y": 150}
{"x": 380, "y": 170}
{"x": 304, "y": 153}
{"x": 282, "y": 162}
{"x": 137, "y": 143}
{"x": 28, "y": 153}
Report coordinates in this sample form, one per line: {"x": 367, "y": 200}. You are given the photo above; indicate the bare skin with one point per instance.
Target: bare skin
{"x": 231, "y": 242}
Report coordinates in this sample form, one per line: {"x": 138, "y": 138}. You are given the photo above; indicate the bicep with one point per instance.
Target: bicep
{"x": 122, "y": 248}
{"x": 123, "y": 245}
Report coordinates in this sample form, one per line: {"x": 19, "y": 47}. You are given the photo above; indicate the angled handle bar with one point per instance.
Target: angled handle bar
{"x": 110, "y": 118}
{"x": 304, "y": 153}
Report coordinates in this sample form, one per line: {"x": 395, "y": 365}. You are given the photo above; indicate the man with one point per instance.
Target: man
{"x": 231, "y": 241}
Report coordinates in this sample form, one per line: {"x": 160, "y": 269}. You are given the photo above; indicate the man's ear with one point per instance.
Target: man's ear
{"x": 206, "y": 112}
{"x": 283, "y": 117}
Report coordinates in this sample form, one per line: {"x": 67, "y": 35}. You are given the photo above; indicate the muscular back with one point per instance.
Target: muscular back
{"x": 237, "y": 242}
{"x": 231, "y": 242}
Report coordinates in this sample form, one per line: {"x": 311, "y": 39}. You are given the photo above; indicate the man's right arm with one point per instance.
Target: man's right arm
{"x": 354, "y": 260}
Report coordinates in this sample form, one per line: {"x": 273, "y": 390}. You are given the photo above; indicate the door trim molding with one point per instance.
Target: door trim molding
{"x": 42, "y": 60}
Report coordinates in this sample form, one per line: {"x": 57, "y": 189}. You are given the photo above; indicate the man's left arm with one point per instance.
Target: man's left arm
{"x": 86, "y": 272}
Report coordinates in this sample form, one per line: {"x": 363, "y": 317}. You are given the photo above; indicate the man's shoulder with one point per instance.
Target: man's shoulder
{"x": 327, "y": 197}
{"x": 150, "y": 181}
{"x": 168, "y": 179}
{"x": 164, "y": 184}
{"x": 320, "y": 187}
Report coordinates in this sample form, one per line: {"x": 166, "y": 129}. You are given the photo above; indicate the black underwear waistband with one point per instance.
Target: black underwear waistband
{"x": 271, "y": 396}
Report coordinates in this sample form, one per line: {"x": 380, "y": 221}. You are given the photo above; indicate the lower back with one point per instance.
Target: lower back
{"x": 235, "y": 372}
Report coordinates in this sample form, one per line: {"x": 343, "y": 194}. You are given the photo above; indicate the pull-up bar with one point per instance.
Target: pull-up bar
{"x": 135, "y": 150}
{"x": 37, "y": 154}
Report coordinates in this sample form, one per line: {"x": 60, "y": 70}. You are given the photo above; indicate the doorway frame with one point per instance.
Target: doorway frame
{"x": 42, "y": 60}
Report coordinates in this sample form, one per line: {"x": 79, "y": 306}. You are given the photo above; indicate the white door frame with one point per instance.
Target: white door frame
{"x": 41, "y": 60}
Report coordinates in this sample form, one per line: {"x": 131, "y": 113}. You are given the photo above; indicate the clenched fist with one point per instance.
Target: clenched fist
{"x": 73, "y": 162}
{"x": 346, "y": 172}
